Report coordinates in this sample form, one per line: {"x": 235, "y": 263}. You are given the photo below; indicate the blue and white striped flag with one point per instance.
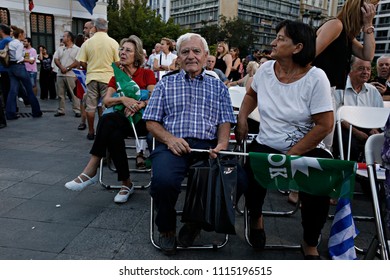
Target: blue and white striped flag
{"x": 341, "y": 244}
{"x": 81, "y": 75}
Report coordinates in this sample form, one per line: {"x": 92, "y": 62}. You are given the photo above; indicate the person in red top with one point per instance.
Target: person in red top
{"x": 114, "y": 127}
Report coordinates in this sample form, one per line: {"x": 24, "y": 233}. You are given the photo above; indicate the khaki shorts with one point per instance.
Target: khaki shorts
{"x": 95, "y": 92}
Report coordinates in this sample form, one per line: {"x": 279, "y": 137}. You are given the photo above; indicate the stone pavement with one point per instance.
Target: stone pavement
{"x": 41, "y": 219}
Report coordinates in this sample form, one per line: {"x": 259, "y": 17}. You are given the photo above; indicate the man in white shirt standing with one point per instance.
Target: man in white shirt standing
{"x": 357, "y": 93}
{"x": 65, "y": 60}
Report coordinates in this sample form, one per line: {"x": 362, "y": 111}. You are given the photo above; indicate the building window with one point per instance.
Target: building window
{"x": 42, "y": 31}
{"x": 380, "y": 47}
{"x": 4, "y": 16}
{"x": 78, "y": 25}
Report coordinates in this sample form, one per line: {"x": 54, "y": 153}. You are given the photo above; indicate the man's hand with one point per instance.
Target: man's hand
{"x": 381, "y": 88}
{"x": 178, "y": 146}
{"x": 214, "y": 152}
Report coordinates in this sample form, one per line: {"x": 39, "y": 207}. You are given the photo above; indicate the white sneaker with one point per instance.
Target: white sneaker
{"x": 124, "y": 193}
{"x": 74, "y": 186}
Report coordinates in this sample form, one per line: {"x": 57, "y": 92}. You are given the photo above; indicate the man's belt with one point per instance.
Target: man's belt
{"x": 15, "y": 62}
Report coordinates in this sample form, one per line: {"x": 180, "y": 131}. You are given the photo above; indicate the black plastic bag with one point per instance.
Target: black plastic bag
{"x": 225, "y": 195}
{"x": 210, "y": 195}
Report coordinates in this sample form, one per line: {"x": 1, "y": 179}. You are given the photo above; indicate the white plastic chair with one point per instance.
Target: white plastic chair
{"x": 237, "y": 94}
{"x": 363, "y": 117}
{"x": 373, "y": 155}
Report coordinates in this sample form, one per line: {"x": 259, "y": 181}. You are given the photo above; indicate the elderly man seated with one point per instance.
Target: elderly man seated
{"x": 187, "y": 109}
{"x": 357, "y": 93}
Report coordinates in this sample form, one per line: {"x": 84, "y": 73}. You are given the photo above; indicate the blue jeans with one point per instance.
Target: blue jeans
{"x": 33, "y": 78}
{"x": 18, "y": 74}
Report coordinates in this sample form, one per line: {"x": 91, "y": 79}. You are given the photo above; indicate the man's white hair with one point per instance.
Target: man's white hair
{"x": 382, "y": 56}
{"x": 188, "y": 36}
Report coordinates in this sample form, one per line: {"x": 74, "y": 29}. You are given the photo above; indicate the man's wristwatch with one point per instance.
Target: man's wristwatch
{"x": 67, "y": 69}
{"x": 369, "y": 29}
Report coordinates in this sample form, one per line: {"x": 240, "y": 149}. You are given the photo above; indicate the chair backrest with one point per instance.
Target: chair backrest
{"x": 373, "y": 148}
{"x": 255, "y": 115}
{"x": 237, "y": 94}
{"x": 359, "y": 116}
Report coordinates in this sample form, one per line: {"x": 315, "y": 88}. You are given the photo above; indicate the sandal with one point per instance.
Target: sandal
{"x": 82, "y": 126}
{"x": 140, "y": 161}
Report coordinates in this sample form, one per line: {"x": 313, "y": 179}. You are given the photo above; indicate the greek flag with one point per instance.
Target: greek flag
{"x": 88, "y": 4}
{"x": 81, "y": 75}
{"x": 341, "y": 244}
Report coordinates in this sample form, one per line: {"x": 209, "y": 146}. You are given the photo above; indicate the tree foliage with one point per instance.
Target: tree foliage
{"x": 136, "y": 18}
{"x": 236, "y": 32}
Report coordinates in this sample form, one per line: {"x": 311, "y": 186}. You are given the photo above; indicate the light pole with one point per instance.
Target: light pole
{"x": 312, "y": 18}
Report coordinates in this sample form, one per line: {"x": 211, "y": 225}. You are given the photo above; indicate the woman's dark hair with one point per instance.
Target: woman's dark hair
{"x": 79, "y": 40}
{"x": 300, "y": 33}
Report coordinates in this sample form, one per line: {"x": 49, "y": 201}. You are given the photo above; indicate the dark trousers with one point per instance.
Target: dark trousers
{"x": 47, "y": 84}
{"x": 314, "y": 210}
{"x": 112, "y": 130}
{"x": 2, "y": 115}
{"x": 5, "y": 85}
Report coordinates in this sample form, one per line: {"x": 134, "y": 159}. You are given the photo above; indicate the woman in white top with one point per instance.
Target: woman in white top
{"x": 296, "y": 112}
{"x": 166, "y": 60}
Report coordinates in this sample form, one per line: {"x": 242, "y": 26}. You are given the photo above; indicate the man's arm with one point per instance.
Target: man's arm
{"x": 223, "y": 139}
{"x": 176, "y": 145}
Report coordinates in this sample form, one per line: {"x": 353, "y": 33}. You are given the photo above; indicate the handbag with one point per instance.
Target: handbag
{"x": 4, "y": 56}
{"x": 210, "y": 195}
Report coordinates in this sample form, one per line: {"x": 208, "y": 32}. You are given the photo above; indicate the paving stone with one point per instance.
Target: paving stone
{"x": 34, "y": 235}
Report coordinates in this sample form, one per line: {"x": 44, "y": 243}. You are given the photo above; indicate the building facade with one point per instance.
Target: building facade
{"x": 262, "y": 14}
{"x": 48, "y": 20}
{"x": 162, "y": 7}
{"x": 382, "y": 30}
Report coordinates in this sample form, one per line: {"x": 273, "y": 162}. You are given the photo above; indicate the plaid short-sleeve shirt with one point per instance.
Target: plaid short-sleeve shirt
{"x": 188, "y": 107}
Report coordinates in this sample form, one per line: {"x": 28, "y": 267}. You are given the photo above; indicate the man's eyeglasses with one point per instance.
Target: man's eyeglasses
{"x": 362, "y": 68}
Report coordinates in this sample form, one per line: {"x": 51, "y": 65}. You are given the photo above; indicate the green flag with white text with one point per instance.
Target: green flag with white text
{"x": 317, "y": 176}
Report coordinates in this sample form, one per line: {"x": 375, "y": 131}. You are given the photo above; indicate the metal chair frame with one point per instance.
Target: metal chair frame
{"x": 363, "y": 117}
{"x": 111, "y": 166}
{"x": 193, "y": 247}
{"x": 373, "y": 155}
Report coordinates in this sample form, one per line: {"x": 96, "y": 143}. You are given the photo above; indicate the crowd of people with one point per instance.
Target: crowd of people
{"x": 180, "y": 96}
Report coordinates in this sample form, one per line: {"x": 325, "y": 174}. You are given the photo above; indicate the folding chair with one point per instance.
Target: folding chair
{"x": 363, "y": 117}
{"x": 214, "y": 245}
{"x": 152, "y": 231}
{"x": 111, "y": 166}
{"x": 373, "y": 155}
